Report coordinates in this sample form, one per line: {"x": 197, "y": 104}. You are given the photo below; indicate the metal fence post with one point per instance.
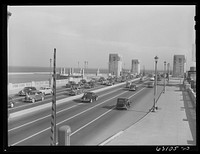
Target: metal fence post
{"x": 64, "y": 135}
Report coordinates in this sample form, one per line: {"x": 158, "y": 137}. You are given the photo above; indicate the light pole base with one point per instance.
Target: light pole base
{"x": 153, "y": 109}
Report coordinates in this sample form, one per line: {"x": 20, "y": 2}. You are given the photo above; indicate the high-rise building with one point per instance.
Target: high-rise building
{"x": 135, "y": 66}
{"x": 115, "y": 64}
{"x": 179, "y": 66}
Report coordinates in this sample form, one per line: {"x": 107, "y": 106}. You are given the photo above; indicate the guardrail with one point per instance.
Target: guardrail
{"x": 190, "y": 91}
{"x": 192, "y": 94}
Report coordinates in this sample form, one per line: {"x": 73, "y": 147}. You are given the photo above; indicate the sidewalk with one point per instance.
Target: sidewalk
{"x": 174, "y": 123}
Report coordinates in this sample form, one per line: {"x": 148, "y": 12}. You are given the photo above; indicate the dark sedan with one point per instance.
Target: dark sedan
{"x": 89, "y": 97}
{"x": 26, "y": 90}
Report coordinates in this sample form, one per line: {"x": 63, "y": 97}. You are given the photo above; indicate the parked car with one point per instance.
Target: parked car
{"x": 33, "y": 96}
{"x": 46, "y": 90}
{"x": 123, "y": 103}
{"x": 11, "y": 102}
{"x": 150, "y": 84}
{"x": 26, "y": 90}
{"x": 75, "y": 91}
{"x": 89, "y": 97}
{"x": 133, "y": 87}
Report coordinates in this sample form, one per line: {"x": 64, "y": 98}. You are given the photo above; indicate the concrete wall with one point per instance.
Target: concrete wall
{"x": 15, "y": 88}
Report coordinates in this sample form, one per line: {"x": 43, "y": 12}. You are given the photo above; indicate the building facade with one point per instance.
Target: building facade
{"x": 115, "y": 64}
{"x": 179, "y": 65}
{"x": 135, "y": 66}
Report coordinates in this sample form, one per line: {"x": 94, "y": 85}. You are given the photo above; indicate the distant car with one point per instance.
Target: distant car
{"x": 128, "y": 84}
{"x": 11, "y": 102}
{"x": 46, "y": 90}
{"x": 123, "y": 103}
{"x": 89, "y": 97}
{"x": 110, "y": 83}
{"x": 152, "y": 79}
{"x": 34, "y": 96}
{"x": 75, "y": 91}
{"x": 150, "y": 84}
{"x": 26, "y": 90}
{"x": 133, "y": 87}
{"x": 158, "y": 78}
{"x": 87, "y": 86}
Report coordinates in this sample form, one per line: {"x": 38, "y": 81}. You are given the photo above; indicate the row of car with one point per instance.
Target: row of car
{"x": 31, "y": 95}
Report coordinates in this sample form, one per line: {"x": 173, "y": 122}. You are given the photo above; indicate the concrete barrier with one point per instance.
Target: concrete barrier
{"x": 192, "y": 95}
{"x": 48, "y": 105}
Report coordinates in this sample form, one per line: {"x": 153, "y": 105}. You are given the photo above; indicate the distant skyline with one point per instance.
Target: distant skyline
{"x": 91, "y": 33}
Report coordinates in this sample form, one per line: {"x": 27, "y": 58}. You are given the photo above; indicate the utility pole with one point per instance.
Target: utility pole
{"x": 53, "y": 113}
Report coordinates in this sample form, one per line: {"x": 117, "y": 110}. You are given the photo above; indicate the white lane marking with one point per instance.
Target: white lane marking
{"x": 66, "y": 119}
{"x": 40, "y": 118}
{"x": 91, "y": 122}
{"x": 50, "y": 114}
{"x": 111, "y": 138}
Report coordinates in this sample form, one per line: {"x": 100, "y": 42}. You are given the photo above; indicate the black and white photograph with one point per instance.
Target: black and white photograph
{"x": 101, "y": 76}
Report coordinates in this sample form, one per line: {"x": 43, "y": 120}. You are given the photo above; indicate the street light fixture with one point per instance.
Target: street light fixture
{"x": 164, "y": 76}
{"x": 155, "y": 84}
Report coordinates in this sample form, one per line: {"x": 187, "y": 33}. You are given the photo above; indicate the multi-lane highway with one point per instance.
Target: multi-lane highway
{"x": 91, "y": 123}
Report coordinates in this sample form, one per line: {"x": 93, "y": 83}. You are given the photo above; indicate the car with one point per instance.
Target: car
{"x": 133, "y": 87}
{"x": 26, "y": 90}
{"x": 150, "y": 84}
{"x": 110, "y": 83}
{"x": 87, "y": 86}
{"x": 33, "y": 96}
{"x": 152, "y": 79}
{"x": 123, "y": 103}
{"x": 46, "y": 90}
{"x": 89, "y": 97}
{"x": 128, "y": 84}
{"x": 75, "y": 91}
{"x": 11, "y": 102}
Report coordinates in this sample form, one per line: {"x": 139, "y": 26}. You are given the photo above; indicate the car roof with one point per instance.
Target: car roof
{"x": 123, "y": 98}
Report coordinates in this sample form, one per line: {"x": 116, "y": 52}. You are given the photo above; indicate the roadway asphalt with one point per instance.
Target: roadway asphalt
{"x": 91, "y": 123}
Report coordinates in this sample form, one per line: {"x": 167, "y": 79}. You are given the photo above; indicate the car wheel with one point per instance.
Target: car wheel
{"x": 33, "y": 100}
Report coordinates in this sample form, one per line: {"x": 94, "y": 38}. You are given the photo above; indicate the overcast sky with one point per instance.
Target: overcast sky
{"x": 90, "y": 33}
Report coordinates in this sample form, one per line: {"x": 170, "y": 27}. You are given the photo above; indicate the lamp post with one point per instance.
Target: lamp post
{"x": 155, "y": 84}
{"x": 164, "y": 76}
{"x": 50, "y": 74}
{"x": 168, "y": 72}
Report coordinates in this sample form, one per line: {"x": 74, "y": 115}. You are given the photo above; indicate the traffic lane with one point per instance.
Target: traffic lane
{"x": 68, "y": 105}
{"x": 27, "y": 142}
{"x": 73, "y": 112}
{"x": 62, "y": 108}
{"x": 115, "y": 120}
{"x": 18, "y": 134}
{"x": 20, "y": 104}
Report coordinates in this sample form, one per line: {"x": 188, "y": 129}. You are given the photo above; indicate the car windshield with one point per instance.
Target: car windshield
{"x": 87, "y": 94}
{"x": 121, "y": 100}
